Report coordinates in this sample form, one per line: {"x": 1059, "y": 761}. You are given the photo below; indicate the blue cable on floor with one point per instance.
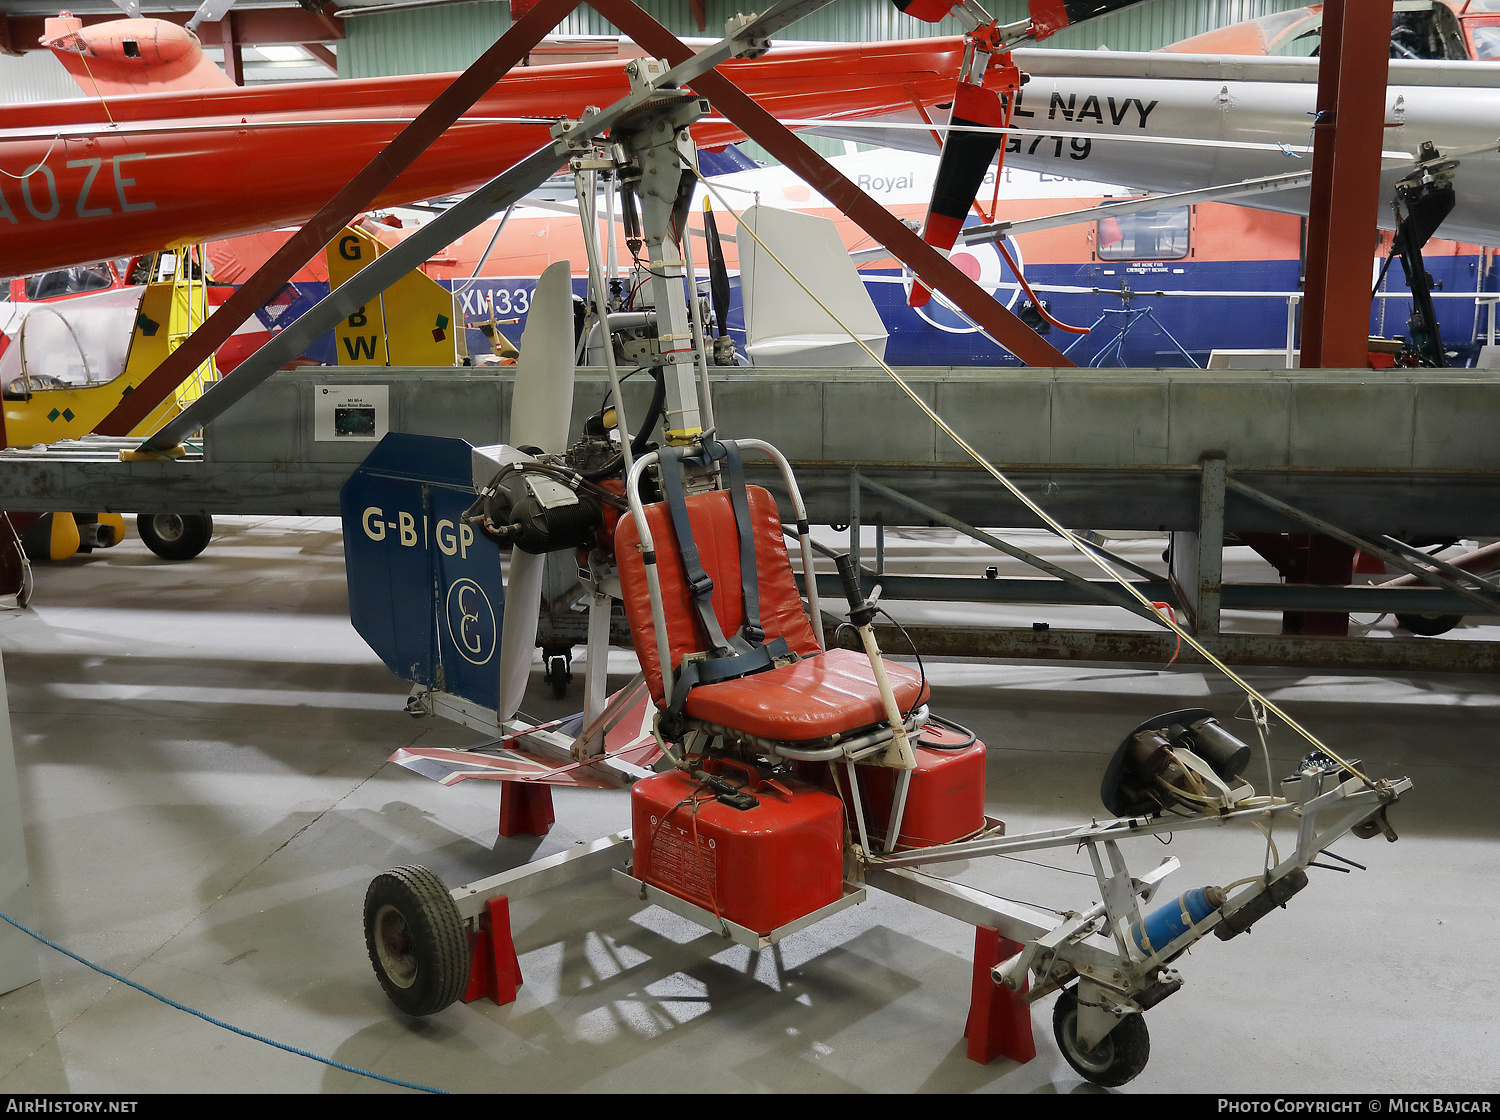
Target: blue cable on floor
{"x": 217, "y": 1022}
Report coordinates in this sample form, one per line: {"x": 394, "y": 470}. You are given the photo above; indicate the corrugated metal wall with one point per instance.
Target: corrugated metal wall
{"x": 449, "y": 38}
{"x": 35, "y": 76}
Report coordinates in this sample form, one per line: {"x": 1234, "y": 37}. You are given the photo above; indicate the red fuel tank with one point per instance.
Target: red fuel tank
{"x": 945, "y": 801}
{"x": 759, "y": 867}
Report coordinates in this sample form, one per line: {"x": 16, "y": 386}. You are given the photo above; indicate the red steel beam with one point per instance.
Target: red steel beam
{"x": 1349, "y": 134}
{"x": 323, "y": 55}
{"x": 1344, "y": 206}
{"x": 234, "y": 55}
{"x": 343, "y": 208}
{"x": 869, "y": 215}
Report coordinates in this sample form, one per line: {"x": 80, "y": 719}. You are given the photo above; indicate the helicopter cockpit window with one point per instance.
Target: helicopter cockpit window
{"x": 68, "y": 281}
{"x": 1425, "y": 31}
{"x": 1147, "y": 235}
{"x": 1486, "y": 41}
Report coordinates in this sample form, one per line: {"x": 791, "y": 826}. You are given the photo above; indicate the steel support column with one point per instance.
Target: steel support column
{"x": 1197, "y": 570}
{"x": 234, "y": 54}
{"x": 1348, "y": 136}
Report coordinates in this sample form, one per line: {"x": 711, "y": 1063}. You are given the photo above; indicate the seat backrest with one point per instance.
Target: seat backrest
{"x": 712, "y": 519}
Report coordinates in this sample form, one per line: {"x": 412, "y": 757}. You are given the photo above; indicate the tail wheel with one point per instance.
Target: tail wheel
{"x": 416, "y": 940}
{"x": 175, "y": 536}
{"x": 1115, "y": 1059}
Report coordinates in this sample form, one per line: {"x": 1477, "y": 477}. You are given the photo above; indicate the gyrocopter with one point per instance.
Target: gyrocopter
{"x": 775, "y": 777}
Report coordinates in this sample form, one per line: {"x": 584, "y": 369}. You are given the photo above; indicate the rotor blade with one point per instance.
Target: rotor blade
{"x": 718, "y": 271}
{"x": 210, "y": 11}
{"x": 541, "y": 406}
{"x": 960, "y": 173}
{"x": 1047, "y": 17}
{"x": 1050, "y": 16}
{"x": 929, "y": 11}
{"x": 1270, "y": 184}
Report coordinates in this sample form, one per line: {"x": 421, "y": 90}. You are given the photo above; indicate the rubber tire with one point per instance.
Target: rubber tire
{"x": 175, "y": 536}
{"x": 416, "y": 940}
{"x": 1120, "y": 1055}
{"x": 1428, "y": 625}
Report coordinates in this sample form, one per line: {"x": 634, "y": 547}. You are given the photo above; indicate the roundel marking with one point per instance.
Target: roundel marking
{"x": 982, "y": 264}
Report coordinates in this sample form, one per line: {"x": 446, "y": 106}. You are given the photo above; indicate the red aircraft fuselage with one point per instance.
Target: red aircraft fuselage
{"x": 109, "y": 177}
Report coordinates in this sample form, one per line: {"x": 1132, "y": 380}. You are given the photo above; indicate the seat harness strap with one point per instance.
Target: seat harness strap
{"x": 747, "y": 651}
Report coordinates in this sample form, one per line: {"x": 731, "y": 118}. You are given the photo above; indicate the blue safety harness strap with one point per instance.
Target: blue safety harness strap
{"x": 747, "y": 651}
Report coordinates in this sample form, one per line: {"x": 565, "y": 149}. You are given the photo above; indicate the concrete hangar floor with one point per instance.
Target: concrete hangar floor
{"x": 202, "y": 754}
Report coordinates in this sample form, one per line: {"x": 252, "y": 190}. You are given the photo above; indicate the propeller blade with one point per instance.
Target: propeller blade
{"x": 523, "y": 605}
{"x": 966, "y": 156}
{"x": 540, "y": 411}
{"x": 541, "y": 408}
{"x": 718, "y": 271}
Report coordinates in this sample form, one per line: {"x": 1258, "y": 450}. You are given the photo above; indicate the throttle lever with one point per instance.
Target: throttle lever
{"x": 861, "y": 610}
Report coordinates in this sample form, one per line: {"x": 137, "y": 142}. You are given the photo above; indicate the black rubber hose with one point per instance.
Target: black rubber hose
{"x": 643, "y": 433}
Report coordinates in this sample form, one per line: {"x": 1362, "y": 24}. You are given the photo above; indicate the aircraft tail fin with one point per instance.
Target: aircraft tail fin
{"x": 124, "y": 56}
{"x": 782, "y": 325}
{"x": 424, "y": 590}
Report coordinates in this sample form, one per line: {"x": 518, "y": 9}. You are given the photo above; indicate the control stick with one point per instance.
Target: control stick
{"x": 862, "y": 615}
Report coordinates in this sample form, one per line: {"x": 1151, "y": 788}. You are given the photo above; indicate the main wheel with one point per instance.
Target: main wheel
{"x": 175, "y": 536}
{"x": 416, "y": 940}
{"x": 1119, "y": 1055}
{"x": 1428, "y": 625}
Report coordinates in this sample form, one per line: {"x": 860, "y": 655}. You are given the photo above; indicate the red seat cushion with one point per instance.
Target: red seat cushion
{"x": 833, "y": 692}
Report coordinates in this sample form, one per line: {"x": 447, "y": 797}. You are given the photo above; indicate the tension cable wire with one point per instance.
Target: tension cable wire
{"x": 35, "y": 167}
{"x": 218, "y": 1022}
{"x": 1046, "y": 518}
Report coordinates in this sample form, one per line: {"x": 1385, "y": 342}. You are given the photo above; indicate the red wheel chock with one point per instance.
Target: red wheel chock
{"x": 525, "y": 809}
{"x": 494, "y": 968}
{"x": 999, "y": 1019}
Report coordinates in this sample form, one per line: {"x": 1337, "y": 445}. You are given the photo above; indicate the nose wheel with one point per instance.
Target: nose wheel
{"x": 416, "y": 940}
{"x": 1114, "y": 1059}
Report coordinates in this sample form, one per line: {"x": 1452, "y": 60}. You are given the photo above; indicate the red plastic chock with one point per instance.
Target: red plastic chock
{"x": 999, "y": 1019}
{"x": 495, "y": 970}
{"x": 525, "y": 809}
